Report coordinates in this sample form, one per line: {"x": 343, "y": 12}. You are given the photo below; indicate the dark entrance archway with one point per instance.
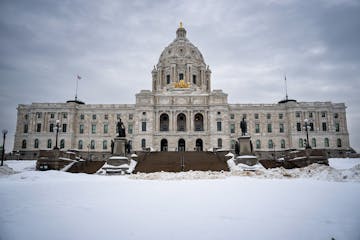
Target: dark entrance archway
{"x": 181, "y": 145}
{"x": 199, "y": 145}
{"x": 164, "y": 145}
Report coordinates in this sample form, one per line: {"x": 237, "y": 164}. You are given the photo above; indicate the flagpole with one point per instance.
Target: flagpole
{"x": 286, "y": 88}
{"x": 77, "y": 79}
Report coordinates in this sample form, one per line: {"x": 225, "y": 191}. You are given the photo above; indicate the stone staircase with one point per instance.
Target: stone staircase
{"x": 180, "y": 161}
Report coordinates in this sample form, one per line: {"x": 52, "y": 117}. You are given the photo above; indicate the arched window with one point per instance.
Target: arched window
{"x": 62, "y": 143}
{"x": 92, "y": 144}
{"x": 338, "y": 142}
{"x": 258, "y": 144}
{"x": 36, "y": 143}
{"x": 104, "y": 145}
{"x": 199, "y": 122}
{"x": 232, "y": 143}
{"x": 313, "y": 142}
{"x": 326, "y": 142}
{"x": 181, "y": 122}
{"x": 282, "y": 143}
{"x": 301, "y": 143}
{"x": 23, "y": 144}
{"x": 80, "y": 144}
{"x": 49, "y": 143}
{"x": 143, "y": 143}
{"x": 164, "y": 122}
{"x": 219, "y": 143}
{"x": 270, "y": 144}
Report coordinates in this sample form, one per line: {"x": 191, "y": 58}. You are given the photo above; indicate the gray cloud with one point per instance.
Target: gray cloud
{"x": 249, "y": 46}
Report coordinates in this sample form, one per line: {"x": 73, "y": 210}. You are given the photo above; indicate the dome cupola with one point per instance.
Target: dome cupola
{"x": 181, "y": 65}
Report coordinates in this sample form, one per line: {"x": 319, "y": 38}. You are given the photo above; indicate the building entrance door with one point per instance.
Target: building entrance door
{"x": 164, "y": 145}
{"x": 199, "y": 145}
{"x": 181, "y": 145}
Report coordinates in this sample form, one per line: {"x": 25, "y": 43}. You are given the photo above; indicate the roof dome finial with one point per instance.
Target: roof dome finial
{"x": 181, "y": 32}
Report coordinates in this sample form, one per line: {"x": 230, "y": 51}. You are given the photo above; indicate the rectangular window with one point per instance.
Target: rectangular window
{"x": 269, "y": 128}
{"x": 131, "y": 116}
{"x": 26, "y": 128}
{"x": 257, "y": 128}
{"x": 38, "y": 114}
{"x": 81, "y": 128}
{"x": 281, "y": 116}
{"x": 232, "y": 116}
{"x": 38, "y": 127}
{"x": 281, "y": 127}
{"x": 52, "y": 115}
{"x": 106, "y": 128}
{"x": 336, "y": 115}
{"x": 218, "y": 126}
{"x": 94, "y": 116}
{"x": 310, "y": 115}
{"x": 64, "y": 127}
{"x": 337, "y": 127}
{"x": 167, "y": 79}
{"x": 106, "y": 116}
{"x": 118, "y": 116}
{"x": 93, "y": 128}
{"x": 104, "y": 145}
{"x": 268, "y": 116}
{"x": 82, "y": 116}
{"x": 232, "y": 128}
{"x": 298, "y": 127}
{"x": 130, "y": 129}
{"x": 51, "y": 127}
{"x": 297, "y": 114}
{"x": 181, "y": 76}
{"x": 311, "y": 126}
{"x": 323, "y": 114}
{"x": 194, "y": 79}
{"x": 324, "y": 127}
{"x": 256, "y": 116}
{"x": 143, "y": 126}
{"x": 64, "y": 115}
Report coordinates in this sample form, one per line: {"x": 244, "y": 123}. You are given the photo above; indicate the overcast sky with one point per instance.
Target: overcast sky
{"x": 113, "y": 46}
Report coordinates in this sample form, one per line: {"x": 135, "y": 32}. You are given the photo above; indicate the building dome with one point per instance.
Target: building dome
{"x": 181, "y": 49}
{"x": 181, "y": 61}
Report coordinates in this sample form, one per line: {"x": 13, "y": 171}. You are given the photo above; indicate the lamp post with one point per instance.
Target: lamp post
{"x": 4, "y": 132}
{"x": 57, "y": 127}
{"x": 307, "y": 127}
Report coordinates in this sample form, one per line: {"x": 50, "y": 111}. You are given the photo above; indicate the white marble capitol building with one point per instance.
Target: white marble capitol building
{"x": 180, "y": 113}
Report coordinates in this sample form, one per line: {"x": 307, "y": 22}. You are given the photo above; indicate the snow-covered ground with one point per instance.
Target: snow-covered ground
{"x": 59, "y": 205}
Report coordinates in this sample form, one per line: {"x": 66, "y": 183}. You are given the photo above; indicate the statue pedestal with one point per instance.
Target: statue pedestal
{"x": 245, "y": 145}
{"x": 246, "y": 155}
{"x": 119, "y": 146}
{"x": 118, "y": 163}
